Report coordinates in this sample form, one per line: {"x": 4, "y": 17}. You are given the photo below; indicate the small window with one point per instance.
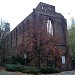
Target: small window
{"x": 20, "y": 30}
{"x": 11, "y": 38}
{"x": 11, "y": 35}
{"x": 42, "y": 7}
{"x": 49, "y": 27}
{"x": 16, "y": 31}
{"x": 14, "y": 34}
{"x": 27, "y": 24}
{"x": 23, "y": 27}
{"x": 63, "y": 59}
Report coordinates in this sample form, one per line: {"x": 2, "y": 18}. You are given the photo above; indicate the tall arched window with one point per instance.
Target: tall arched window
{"x": 49, "y": 27}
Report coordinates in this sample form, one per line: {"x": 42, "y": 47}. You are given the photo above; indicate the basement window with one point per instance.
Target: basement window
{"x": 49, "y": 27}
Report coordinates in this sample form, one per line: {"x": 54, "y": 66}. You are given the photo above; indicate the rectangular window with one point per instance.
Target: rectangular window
{"x": 20, "y": 30}
{"x": 16, "y": 31}
{"x": 11, "y": 39}
{"x": 27, "y": 24}
{"x": 14, "y": 34}
{"x": 63, "y": 59}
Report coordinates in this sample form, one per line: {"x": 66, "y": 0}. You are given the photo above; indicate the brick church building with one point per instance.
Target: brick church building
{"x": 41, "y": 22}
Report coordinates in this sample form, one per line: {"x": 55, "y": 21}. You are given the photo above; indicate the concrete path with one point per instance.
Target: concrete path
{"x": 68, "y": 73}
{"x": 13, "y": 73}
{"x": 6, "y": 73}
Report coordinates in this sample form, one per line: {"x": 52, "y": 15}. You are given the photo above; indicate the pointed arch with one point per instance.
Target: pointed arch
{"x": 50, "y": 26}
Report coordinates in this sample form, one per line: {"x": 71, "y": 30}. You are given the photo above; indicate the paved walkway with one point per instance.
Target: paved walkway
{"x": 68, "y": 73}
{"x": 12, "y": 73}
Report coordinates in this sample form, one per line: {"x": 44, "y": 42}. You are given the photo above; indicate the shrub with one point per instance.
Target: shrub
{"x": 19, "y": 67}
{"x": 14, "y": 67}
{"x": 32, "y": 70}
{"x": 11, "y": 67}
{"x": 16, "y": 59}
{"x": 49, "y": 70}
{"x": 57, "y": 70}
{"x": 13, "y": 60}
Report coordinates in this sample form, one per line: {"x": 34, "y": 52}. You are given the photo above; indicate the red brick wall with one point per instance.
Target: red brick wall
{"x": 20, "y": 37}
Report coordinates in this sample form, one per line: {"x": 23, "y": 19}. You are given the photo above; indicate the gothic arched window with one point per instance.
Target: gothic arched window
{"x": 49, "y": 27}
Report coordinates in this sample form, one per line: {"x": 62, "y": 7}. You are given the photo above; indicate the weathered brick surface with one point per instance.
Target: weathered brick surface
{"x": 19, "y": 38}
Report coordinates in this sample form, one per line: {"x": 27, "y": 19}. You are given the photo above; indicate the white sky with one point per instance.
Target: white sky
{"x": 14, "y": 11}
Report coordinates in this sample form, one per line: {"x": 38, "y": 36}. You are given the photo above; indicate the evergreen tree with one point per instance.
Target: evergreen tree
{"x": 71, "y": 36}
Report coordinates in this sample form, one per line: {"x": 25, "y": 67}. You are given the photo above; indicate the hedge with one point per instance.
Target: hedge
{"x": 31, "y": 70}
{"x": 48, "y": 69}
{"x": 10, "y": 67}
{"x": 14, "y": 67}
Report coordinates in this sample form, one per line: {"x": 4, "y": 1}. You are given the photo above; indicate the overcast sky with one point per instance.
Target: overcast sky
{"x": 14, "y": 11}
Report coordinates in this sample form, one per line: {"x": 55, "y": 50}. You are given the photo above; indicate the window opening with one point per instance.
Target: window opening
{"x": 20, "y": 30}
{"x": 42, "y": 7}
{"x": 14, "y": 34}
{"x": 63, "y": 59}
{"x": 49, "y": 27}
{"x": 16, "y": 31}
